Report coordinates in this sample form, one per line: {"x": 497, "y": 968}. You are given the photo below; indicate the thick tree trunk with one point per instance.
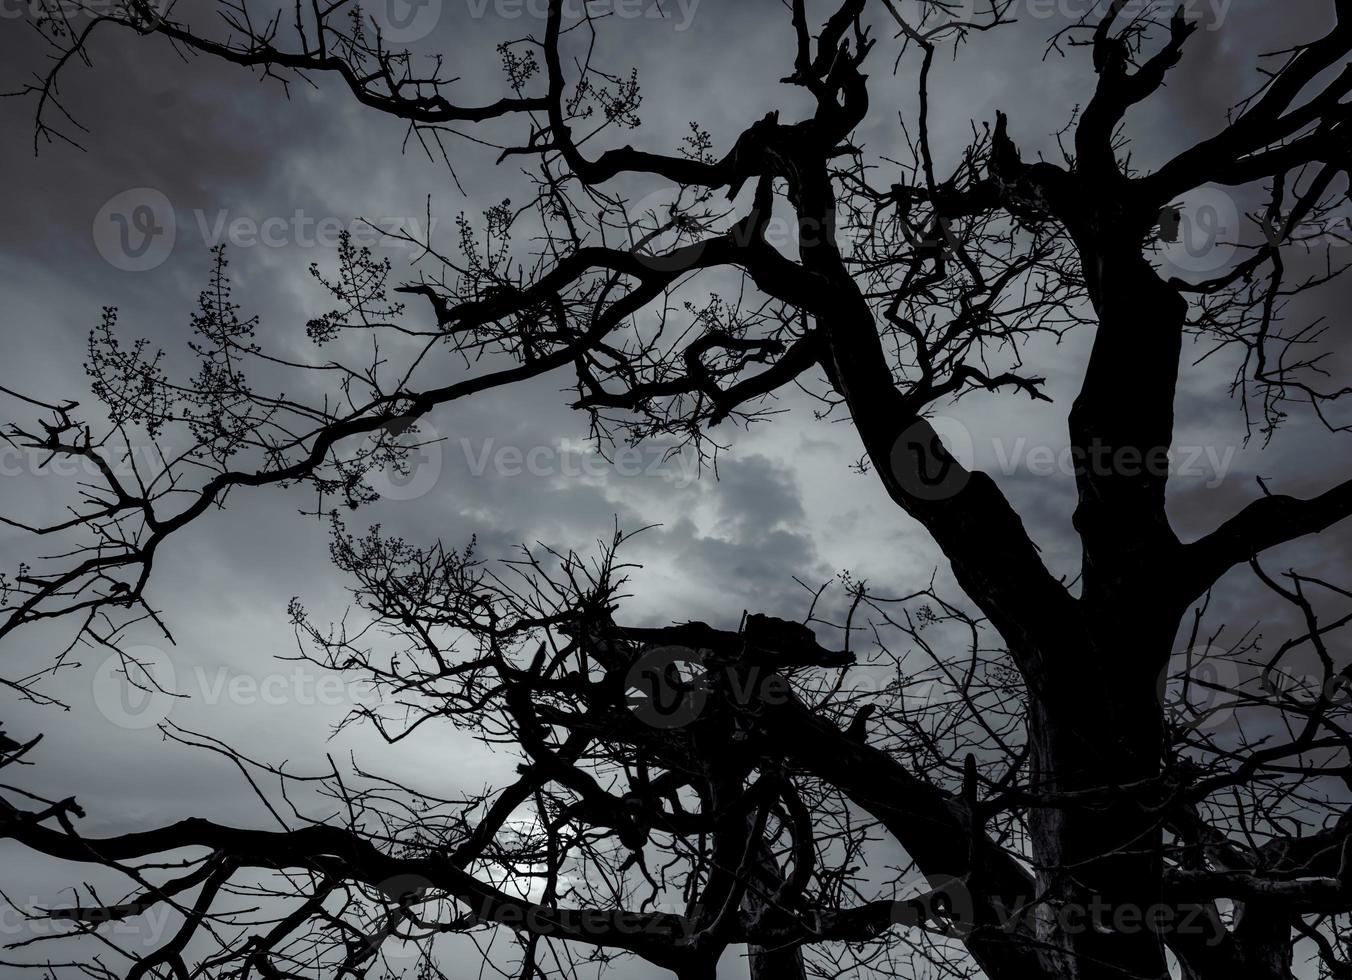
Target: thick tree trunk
{"x": 1096, "y": 722}
{"x": 775, "y": 964}
{"x": 769, "y": 963}
{"x": 1096, "y": 731}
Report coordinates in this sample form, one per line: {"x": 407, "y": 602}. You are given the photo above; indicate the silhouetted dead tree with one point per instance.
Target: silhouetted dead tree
{"x": 685, "y": 789}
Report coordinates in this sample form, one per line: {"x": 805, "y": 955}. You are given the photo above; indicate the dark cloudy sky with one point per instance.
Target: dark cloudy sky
{"x": 218, "y": 147}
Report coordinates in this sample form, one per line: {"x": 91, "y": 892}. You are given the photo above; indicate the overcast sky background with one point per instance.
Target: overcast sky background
{"x": 218, "y": 143}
